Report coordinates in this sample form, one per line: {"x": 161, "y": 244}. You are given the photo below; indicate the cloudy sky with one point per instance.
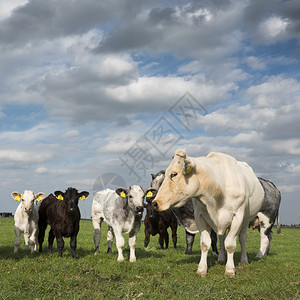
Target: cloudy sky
{"x": 99, "y": 94}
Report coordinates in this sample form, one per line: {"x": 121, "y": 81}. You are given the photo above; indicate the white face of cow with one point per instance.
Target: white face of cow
{"x": 180, "y": 183}
{"x": 135, "y": 198}
{"x": 27, "y": 199}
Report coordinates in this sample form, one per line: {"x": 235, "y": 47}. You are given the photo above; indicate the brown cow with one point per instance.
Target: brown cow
{"x": 158, "y": 222}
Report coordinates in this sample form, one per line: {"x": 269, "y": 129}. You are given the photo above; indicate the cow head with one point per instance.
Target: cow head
{"x": 180, "y": 183}
{"x": 134, "y": 198}
{"x": 157, "y": 179}
{"x": 27, "y": 199}
{"x": 71, "y": 198}
{"x": 150, "y": 195}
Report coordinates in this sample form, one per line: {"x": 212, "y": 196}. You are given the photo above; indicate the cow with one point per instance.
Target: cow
{"x": 185, "y": 217}
{"x": 269, "y": 212}
{"x": 267, "y": 215}
{"x": 226, "y": 194}
{"x": 122, "y": 210}
{"x": 26, "y": 219}
{"x": 157, "y": 222}
{"x": 62, "y": 213}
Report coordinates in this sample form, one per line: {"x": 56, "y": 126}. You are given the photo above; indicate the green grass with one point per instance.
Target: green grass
{"x": 157, "y": 274}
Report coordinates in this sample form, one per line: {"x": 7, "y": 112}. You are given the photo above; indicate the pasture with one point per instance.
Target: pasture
{"x": 157, "y": 274}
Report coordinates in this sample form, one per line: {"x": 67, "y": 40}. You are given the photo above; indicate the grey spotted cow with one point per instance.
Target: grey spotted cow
{"x": 122, "y": 210}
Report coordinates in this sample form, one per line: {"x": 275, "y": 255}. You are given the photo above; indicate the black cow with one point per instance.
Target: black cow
{"x": 63, "y": 215}
{"x": 157, "y": 222}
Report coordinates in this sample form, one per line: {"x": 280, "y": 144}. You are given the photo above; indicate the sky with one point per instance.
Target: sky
{"x": 97, "y": 94}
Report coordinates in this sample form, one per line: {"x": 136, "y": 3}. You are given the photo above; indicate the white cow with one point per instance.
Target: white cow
{"x": 226, "y": 195}
{"x": 122, "y": 210}
{"x": 26, "y": 219}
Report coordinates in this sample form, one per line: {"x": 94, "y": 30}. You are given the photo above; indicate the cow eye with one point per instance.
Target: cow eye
{"x": 173, "y": 175}
{"x": 130, "y": 196}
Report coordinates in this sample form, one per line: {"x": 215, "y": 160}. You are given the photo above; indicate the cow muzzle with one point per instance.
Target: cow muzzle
{"x": 28, "y": 209}
{"x": 139, "y": 210}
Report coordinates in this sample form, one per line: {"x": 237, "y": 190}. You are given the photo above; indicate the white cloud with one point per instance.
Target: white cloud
{"x": 255, "y": 63}
{"x": 274, "y": 27}
{"x": 7, "y": 7}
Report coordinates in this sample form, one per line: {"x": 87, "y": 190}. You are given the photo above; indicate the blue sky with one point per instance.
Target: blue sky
{"x": 87, "y": 90}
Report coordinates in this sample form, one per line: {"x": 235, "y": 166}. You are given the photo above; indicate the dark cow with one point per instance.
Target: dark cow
{"x": 62, "y": 213}
{"x": 185, "y": 217}
{"x": 158, "y": 222}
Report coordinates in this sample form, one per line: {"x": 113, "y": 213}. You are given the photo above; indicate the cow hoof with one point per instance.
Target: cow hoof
{"x": 133, "y": 259}
{"x": 259, "y": 255}
{"x": 202, "y": 273}
{"x": 230, "y": 273}
{"x": 120, "y": 259}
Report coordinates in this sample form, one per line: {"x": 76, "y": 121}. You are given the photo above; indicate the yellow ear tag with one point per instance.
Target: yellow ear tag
{"x": 60, "y": 197}
{"x": 82, "y": 197}
{"x": 149, "y": 194}
{"x": 188, "y": 170}
{"x": 17, "y": 198}
{"x": 122, "y": 194}
{"x": 39, "y": 198}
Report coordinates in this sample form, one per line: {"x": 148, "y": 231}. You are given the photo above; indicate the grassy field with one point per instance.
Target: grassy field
{"x": 157, "y": 274}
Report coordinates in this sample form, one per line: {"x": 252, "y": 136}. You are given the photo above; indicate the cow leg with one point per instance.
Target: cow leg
{"x": 51, "y": 238}
{"x": 214, "y": 240}
{"x": 73, "y": 245}
{"x": 132, "y": 243}
{"x": 166, "y": 235}
{"x": 26, "y": 235}
{"x": 174, "y": 235}
{"x": 205, "y": 243}
{"x": 33, "y": 239}
{"x": 60, "y": 245}
{"x": 230, "y": 241}
{"x": 161, "y": 239}
{"x": 41, "y": 235}
{"x": 189, "y": 238}
{"x": 97, "y": 232}
{"x": 265, "y": 228}
{"x": 243, "y": 239}
{"x": 17, "y": 241}
{"x": 222, "y": 255}
{"x": 147, "y": 237}
{"x": 110, "y": 239}
{"x": 270, "y": 239}
{"x": 120, "y": 241}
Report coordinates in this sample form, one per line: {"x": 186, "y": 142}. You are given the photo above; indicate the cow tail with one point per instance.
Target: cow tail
{"x": 278, "y": 223}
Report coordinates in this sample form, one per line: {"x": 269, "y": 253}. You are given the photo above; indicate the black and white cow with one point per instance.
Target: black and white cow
{"x": 122, "y": 210}
{"x": 267, "y": 216}
{"x": 185, "y": 217}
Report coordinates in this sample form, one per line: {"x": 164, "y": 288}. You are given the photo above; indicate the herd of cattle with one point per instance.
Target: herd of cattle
{"x": 215, "y": 195}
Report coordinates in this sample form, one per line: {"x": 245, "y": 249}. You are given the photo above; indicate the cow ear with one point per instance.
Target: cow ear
{"x": 121, "y": 192}
{"x": 40, "y": 196}
{"x": 59, "y": 195}
{"x": 153, "y": 176}
{"x": 83, "y": 195}
{"x": 189, "y": 166}
{"x": 16, "y": 196}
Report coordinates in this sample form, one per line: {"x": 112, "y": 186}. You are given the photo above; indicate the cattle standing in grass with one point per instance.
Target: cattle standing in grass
{"x": 227, "y": 195}
{"x": 158, "y": 222}
{"x": 62, "y": 213}
{"x": 185, "y": 217}
{"x": 26, "y": 219}
{"x": 122, "y": 210}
